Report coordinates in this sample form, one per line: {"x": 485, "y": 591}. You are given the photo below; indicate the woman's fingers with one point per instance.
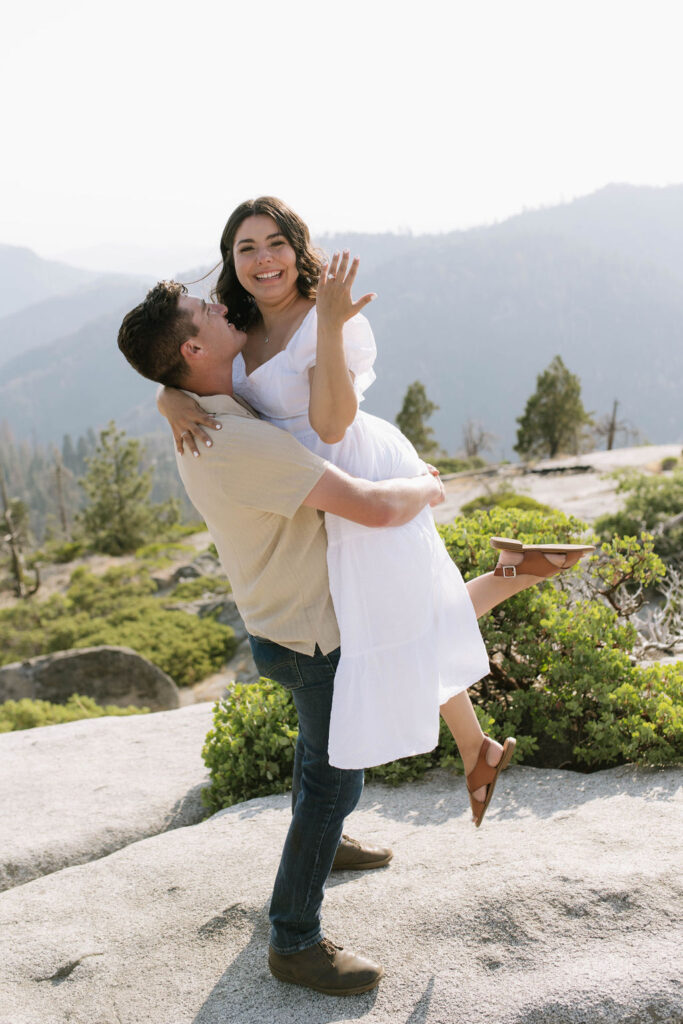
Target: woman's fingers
{"x": 187, "y": 438}
{"x": 360, "y": 303}
{"x": 351, "y": 276}
{"x": 336, "y": 280}
{"x": 192, "y": 437}
{"x": 208, "y": 420}
{"x": 202, "y": 435}
{"x": 343, "y": 266}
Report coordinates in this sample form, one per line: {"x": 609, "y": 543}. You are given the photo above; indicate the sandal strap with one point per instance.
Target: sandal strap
{"x": 477, "y": 807}
{"x": 483, "y": 773}
{"x": 535, "y": 563}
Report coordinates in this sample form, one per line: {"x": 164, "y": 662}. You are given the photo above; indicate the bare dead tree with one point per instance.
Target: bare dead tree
{"x": 475, "y": 439}
{"x": 658, "y": 623}
{"x": 610, "y": 428}
{"x": 13, "y": 541}
{"x": 660, "y": 626}
{"x": 61, "y": 504}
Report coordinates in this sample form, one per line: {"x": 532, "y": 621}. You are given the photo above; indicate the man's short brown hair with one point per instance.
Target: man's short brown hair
{"x": 150, "y": 335}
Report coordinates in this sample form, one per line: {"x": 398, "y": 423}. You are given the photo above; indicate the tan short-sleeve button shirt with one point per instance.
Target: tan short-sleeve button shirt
{"x": 248, "y": 487}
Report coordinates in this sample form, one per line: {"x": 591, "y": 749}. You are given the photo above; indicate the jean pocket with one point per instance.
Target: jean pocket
{"x": 276, "y": 662}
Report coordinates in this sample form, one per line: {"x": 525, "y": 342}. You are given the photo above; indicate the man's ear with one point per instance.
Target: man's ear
{"x": 190, "y": 349}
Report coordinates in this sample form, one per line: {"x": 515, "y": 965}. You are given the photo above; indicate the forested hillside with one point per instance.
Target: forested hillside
{"x": 45, "y": 478}
{"x": 475, "y": 315}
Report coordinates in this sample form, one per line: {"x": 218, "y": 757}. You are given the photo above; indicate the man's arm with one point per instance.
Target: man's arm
{"x": 385, "y": 503}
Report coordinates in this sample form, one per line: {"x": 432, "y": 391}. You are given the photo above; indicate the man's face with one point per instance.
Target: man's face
{"x": 214, "y": 332}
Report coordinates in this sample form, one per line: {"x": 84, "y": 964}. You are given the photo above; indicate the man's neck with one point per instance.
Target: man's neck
{"x": 212, "y": 381}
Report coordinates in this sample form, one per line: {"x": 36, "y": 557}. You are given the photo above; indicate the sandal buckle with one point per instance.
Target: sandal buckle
{"x": 509, "y": 572}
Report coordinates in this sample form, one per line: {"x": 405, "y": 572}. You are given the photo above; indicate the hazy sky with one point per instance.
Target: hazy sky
{"x": 141, "y": 124}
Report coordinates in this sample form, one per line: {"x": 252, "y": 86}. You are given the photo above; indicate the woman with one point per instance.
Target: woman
{"x": 410, "y": 644}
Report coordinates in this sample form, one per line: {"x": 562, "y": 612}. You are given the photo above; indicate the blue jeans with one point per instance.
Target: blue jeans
{"x": 322, "y": 796}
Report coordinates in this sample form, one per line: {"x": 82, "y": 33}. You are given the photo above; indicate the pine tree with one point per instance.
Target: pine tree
{"x": 118, "y": 517}
{"x": 554, "y": 419}
{"x": 415, "y": 410}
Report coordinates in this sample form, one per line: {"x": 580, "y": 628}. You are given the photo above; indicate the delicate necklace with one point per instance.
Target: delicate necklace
{"x": 266, "y": 340}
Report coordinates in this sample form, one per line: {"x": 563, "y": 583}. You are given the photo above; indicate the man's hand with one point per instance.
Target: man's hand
{"x": 333, "y": 296}
{"x": 374, "y": 503}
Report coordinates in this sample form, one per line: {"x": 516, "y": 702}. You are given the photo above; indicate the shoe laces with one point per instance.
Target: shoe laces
{"x": 329, "y": 947}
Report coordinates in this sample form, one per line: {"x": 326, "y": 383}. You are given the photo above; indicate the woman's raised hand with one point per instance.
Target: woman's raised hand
{"x": 186, "y": 418}
{"x": 333, "y": 299}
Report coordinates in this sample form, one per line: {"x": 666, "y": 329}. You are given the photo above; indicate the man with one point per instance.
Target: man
{"x": 261, "y": 495}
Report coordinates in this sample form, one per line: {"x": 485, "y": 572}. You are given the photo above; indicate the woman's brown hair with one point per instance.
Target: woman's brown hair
{"x": 242, "y": 309}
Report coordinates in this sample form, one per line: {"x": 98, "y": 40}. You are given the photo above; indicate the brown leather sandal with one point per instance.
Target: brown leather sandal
{"x": 534, "y": 562}
{"x": 484, "y": 774}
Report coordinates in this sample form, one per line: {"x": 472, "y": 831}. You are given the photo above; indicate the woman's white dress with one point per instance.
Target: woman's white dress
{"x": 409, "y": 634}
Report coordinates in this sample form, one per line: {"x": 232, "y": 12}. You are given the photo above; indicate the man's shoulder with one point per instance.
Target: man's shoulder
{"x": 243, "y": 442}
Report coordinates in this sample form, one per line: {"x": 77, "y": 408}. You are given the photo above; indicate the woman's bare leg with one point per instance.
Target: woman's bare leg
{"x": 488, "y": 590}
{"x": 485, "y": 593}
{"x": 459, "y": 716}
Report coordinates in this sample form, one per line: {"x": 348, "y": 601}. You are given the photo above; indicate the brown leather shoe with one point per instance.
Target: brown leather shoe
{"x": 326, "y": 968}
{"x": 353, "y": 856}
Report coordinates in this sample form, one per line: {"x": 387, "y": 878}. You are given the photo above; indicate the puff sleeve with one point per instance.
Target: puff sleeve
{"x": 359, "y": 348}
{"x": 361, "y": 352}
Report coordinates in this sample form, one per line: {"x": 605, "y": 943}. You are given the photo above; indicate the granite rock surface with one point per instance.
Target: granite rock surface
{"x": 74, "y": 792}
{"x": 562, "y": 909}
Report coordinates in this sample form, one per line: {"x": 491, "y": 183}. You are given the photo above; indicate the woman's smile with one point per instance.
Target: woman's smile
{"x": 269, "y": 275}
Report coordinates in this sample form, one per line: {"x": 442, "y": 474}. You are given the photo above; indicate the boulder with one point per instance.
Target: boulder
{"x": 185, "y": 572}
{"x": 110, "y": 675}
{"x": 224, "y": 610}
{"x": 561, "y": 909}
{"x": 208, "y": 564}
{"x": 74, "y": 792}
{"x": 241, "y": 668}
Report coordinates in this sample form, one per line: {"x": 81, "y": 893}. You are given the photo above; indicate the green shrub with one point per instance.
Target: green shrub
{"x": 452, "y": 464}
{"x": 117, "y": 608}
{"x": 504, "y": 498}
{"x": 191, "y": 590}
{"x": 160, "y": 554}
{"x": 29, "y": 714}
{"x": 669, "y": 463}
{"x": 561, "y": 677}
{"x": 67, "y": 551}
{"x": 187, "y": 648}
{"x": 650, "y": 502}
{"x": 186, "y": 529}
{"x": 250, "y": 750}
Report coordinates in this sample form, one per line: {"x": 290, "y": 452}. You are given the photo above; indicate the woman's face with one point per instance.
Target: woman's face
{"x": 265, "y": 262}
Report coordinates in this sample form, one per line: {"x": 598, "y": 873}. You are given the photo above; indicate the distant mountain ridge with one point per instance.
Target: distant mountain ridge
{"x": 643, "y": 224}
{"x": 59, "y": 316}
{"x": 475, "y": 315}
{"x": 26, "y": 278}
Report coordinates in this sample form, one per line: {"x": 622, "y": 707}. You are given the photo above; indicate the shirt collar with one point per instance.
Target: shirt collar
{"x": 216, "y": 405}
